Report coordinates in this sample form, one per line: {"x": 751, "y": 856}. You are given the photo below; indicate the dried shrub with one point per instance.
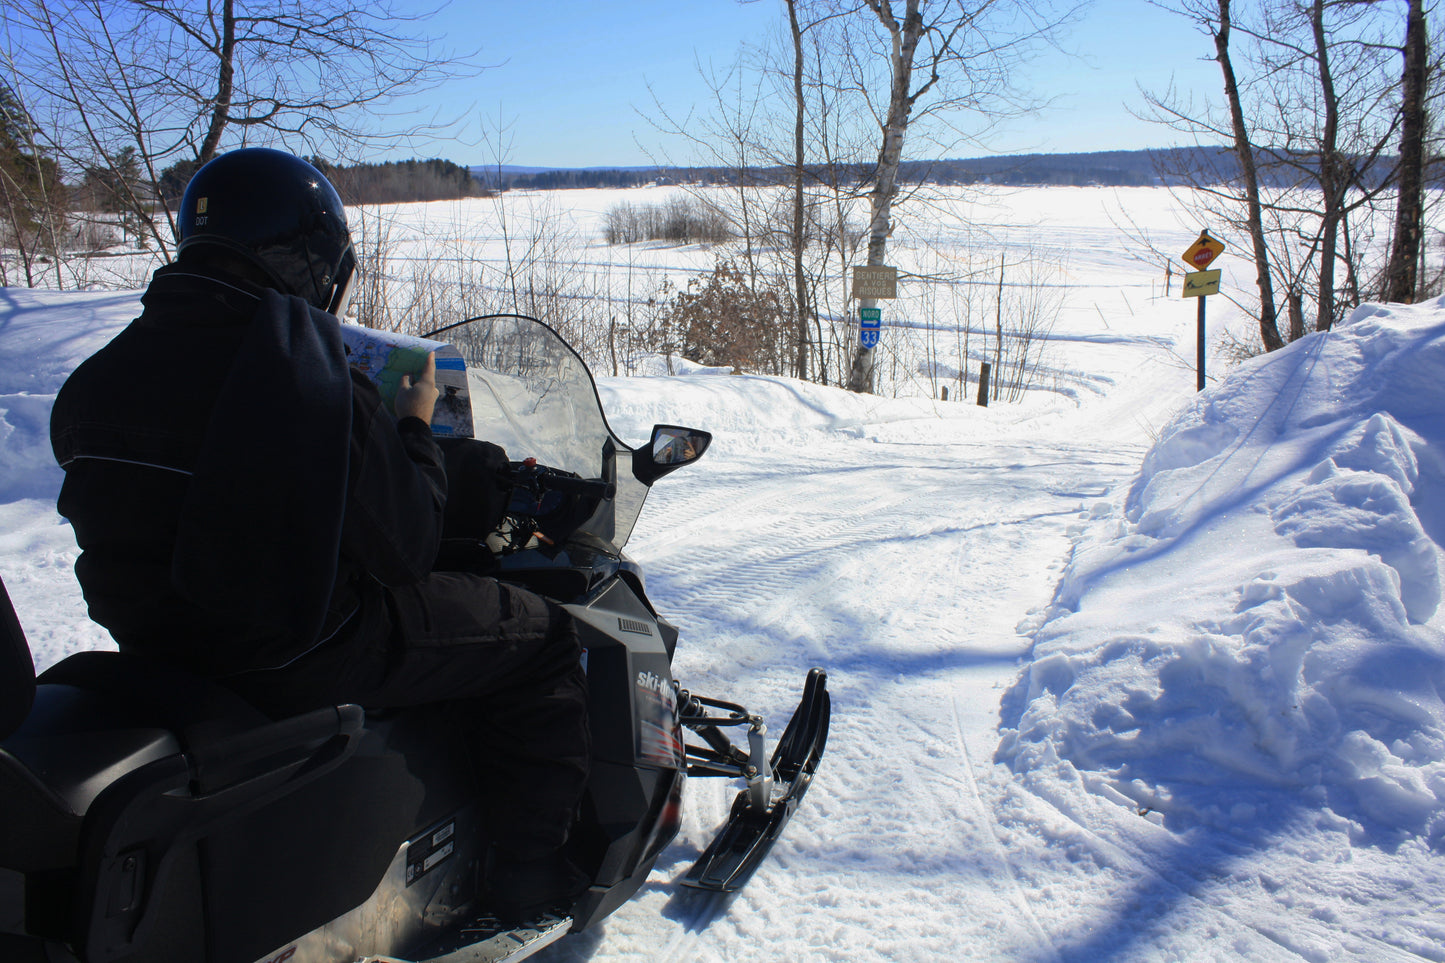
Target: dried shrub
{"x": 729, "y": 318}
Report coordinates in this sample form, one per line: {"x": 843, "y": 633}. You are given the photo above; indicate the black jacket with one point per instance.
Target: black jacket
{"x": 235, "y": 488}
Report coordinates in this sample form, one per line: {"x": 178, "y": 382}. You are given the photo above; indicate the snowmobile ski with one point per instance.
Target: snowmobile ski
{"x": 756, "y": 822}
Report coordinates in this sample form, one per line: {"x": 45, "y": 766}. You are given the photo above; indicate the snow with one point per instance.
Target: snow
{"x": 1122, "y": 672}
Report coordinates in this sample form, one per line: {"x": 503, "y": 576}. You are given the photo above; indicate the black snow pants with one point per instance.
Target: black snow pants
{"x": 506, "y": 663}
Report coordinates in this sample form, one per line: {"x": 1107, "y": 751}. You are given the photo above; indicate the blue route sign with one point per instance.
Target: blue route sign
{"x": 870, "y": 326}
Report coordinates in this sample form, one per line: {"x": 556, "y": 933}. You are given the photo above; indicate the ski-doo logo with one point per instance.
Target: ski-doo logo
{"x": 650, "y": 682}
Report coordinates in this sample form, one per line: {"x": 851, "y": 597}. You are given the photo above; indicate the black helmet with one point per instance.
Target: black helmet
{"x": 279, "y": 213}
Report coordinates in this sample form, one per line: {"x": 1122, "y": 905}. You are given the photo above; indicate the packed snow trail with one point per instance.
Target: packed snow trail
{"x": 898, "y": 551}
{"x": 911, "y": 549}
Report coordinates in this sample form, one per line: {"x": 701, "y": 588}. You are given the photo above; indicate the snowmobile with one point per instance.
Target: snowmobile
{"x": 151, "y": 816}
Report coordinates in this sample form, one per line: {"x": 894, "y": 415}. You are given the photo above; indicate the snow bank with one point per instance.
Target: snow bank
{"x": 43, "y": 336}
{"x": 762, "y": 412}
{"x": 1259, "y": 623}
{"x": 659, "y": 365}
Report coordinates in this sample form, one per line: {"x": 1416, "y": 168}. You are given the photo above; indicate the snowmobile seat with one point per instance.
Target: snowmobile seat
{"x": 94, "y": 717}
{"x": 137, "y": 797}
{"x": 133, "y": 690}
{"x": 17, "y": 670}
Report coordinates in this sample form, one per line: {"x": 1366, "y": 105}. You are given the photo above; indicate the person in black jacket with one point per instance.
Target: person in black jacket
{"x": 247, "y": 507}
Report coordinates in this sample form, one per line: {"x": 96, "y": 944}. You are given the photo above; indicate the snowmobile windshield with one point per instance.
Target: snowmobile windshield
{"x": 533, "y": 395}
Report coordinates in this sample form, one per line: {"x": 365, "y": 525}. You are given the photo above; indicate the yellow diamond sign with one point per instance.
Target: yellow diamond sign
{"x": 1203, "y": 251}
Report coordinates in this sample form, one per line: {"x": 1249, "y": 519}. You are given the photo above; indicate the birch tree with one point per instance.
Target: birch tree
{"x": 957, "y": 62}
{"x": 854, "y": 79}
{"x": 176, "y": 81}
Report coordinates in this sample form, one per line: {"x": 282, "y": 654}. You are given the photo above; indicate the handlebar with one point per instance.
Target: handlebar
{"x": 579, "y": 486}
{"x": 533, "y": 475}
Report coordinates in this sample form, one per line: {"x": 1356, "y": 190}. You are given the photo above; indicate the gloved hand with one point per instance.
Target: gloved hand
{"x": 477, "y": 490}
{"x": 417, "y": 399}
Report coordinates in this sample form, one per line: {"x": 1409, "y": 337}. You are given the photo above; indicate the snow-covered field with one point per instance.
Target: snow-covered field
{"x": 1123, "y": 672}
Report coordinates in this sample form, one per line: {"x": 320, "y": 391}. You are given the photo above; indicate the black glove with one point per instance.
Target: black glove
{"x": 477, "y": 487}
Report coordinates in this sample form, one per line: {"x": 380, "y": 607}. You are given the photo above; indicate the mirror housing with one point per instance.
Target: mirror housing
{"x": 670, "y": 447}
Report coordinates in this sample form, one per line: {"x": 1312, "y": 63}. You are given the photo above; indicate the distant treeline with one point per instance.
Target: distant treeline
{"x": 560, "y": 178}
{"x": 397, "y": 182}
{"x": 434, "y": 180}
{"x": 1127, "y": 168}
{"x": 1138, "y": 168}
{"x": 1112, "y": 168}
{"x": 1186, "y": 166}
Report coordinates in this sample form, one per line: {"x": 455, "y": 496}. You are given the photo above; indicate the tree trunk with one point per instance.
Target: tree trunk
{"x": 1333, "y": 177}
{"x": 1401, "y": 279}
{"x": 800, "y": 286}
{"x": 1244, "y": 151}
{"x": 225, "y": 84}
{"x": 890, "y": 155}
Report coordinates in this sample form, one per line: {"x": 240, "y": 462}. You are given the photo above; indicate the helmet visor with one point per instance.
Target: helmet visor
{"x": 345, "y": 283}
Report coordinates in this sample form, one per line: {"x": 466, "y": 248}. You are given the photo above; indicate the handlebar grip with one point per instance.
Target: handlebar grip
{"x": 531, "y": 474}
{"x": 578, "y": 486}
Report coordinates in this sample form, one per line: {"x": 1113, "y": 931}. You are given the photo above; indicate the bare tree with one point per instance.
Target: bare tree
{"x": 800, "y": 118}
{"x": 1243, "y": 146}
{"x": 1401, "y": 273}
{"x": 775, "y": 182}
{"x": 177, "y": 80}
{"x": 960, "y": 57}
{"x": 1355, "y": 119}
{"x": 1311, "y": 109}
{"x": 1216, "y": 18}
{"x": 800, "y": 157}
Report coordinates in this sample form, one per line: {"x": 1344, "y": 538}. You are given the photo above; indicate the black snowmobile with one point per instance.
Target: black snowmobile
{"x": 149, "y": 816}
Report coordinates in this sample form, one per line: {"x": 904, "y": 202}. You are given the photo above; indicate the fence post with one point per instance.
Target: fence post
{"x": 983, "y": 371}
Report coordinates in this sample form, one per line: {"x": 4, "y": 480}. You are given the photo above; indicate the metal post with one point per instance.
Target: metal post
{"x": 1200, "y": 347}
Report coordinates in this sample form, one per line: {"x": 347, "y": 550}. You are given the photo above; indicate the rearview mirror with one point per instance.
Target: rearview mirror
{"x": 669, "y": 449}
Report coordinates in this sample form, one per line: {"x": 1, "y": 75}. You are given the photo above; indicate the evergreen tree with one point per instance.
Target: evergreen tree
{"x": 32, "y": 201}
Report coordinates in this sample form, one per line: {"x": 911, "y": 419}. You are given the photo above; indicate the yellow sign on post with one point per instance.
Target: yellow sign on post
{"x": 1201, "y": 284}
{"x": 1202, "y": 252}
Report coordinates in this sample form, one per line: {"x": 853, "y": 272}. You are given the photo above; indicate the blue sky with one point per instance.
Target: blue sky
{"x": 573, "y": 80}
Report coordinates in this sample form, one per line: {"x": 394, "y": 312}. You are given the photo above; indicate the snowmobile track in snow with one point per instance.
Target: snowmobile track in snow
{"x": 985, "y": 816}
{"x": 1296, "y": 937}
{"x": 703, "y": 907}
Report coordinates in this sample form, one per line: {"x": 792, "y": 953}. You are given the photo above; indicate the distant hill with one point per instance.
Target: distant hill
{"x": 1114, "y": 168}
{"x": 1117, "y": 168}
{"x": 1121, "y": 168}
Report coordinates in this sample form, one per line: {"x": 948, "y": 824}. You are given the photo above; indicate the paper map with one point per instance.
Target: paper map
{"x": 384, "y": 356}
